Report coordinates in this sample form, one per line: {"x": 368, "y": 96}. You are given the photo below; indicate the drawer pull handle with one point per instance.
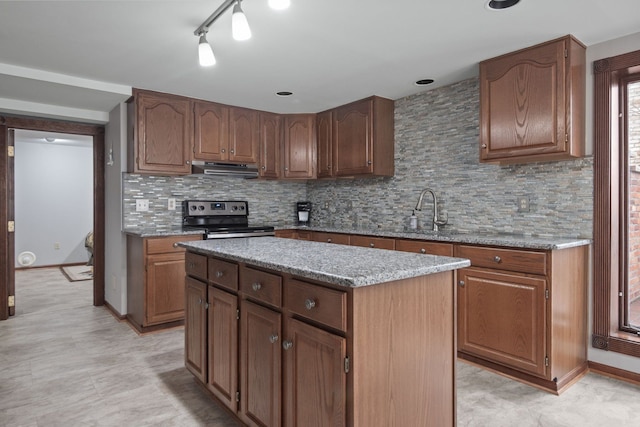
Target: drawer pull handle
{"x": 423, "y": 251}
{"x": 219, "y": 274}
{"x": 461, "y": 283}
{"x": 309, "y": 304}
{"x": 372, "y": 245}
{"x": 256, "y": 286}
{"x": 328, "y": 240}
{"x": 273, "y": 338}
{"x": 191, "y": 265}
{"x": 286, "y": 344}
{"x": 497, "y": 258}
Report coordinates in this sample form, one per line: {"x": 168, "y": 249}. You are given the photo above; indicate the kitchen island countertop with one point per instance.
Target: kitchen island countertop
{"x": 349, "y": 266}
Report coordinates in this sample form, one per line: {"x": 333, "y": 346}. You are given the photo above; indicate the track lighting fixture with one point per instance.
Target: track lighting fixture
{"x": 239, "y": 27}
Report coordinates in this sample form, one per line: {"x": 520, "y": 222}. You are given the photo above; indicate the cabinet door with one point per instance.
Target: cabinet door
{"x": 353, "y": 139}
{"x": 522, "y": 103}
{"x": 163, "y": 134}
{"x": 195, "y": 328}
{"x": 223, "y": 346}
{"x": 164, "y": 288}
{"x": 502, "y": 318}
{"x": 299, "y": 146}
{"x": 270, "y": 145}
{"x": 315, "y": 379}
{"x": 211, "y": 133}
{"x": 243, "y": 135}
{"x": 324, "y": 132}
{"x": 260, "y": 368}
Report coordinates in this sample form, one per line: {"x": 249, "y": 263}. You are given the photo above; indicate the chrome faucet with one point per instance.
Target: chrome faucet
{"x": 436, "y": 220}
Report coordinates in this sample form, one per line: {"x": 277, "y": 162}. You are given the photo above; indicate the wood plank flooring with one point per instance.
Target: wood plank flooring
{"x": 64, "y": 362}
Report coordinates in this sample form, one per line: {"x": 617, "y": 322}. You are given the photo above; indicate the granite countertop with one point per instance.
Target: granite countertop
{"x": 350, "y": 266}
{"x": 488, "y": 239}
{"x": 161, "y": 231}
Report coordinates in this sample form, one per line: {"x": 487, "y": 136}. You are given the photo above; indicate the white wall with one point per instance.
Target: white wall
{"x": 53, "y": 201}
{"x": 595, "y": 52}
{"x": 115, "y": 240}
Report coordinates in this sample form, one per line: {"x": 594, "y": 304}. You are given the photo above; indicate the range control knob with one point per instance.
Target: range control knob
{"x": 234, "y": 208}
{"x": 193, "y": 207}
{"x": 241, "y": 207}
{"x": 201, "y": 207}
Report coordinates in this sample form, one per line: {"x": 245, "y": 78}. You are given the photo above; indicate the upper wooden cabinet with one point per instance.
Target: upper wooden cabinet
{"x": 243, "y": 135}
{"x": 270, "y": 146}
{"x": 225, "y": 134}
{"x": 532, "y": 103}
{"x": 160, "y": 133}
{"x": 324, "y": 134}
{"x": 299, "y": 146}
{"x": 363, "y": 138}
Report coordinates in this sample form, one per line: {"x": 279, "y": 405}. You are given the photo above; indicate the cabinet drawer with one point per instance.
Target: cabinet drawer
{"x": 323, "y": 305}
{"x": 261, "y": 286}
{"x": 340, "y": 239}
{"x": 505, "y": 259}
{"x": 163, "y": 245}
{"x": 223, "y": 273}
{"x": 195, "y": 265}
{"x": 432, "y": 248}
{"x": 373, "y": 242}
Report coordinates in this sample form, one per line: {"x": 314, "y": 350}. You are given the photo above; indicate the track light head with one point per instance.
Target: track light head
{"x": 205, "y": 52}
{"x": 239, "y": 24}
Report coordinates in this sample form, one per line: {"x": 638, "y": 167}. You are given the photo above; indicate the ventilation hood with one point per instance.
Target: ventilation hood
{"x": 246, "y": 171}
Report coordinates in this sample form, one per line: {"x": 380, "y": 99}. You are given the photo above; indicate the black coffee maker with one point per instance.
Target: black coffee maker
{"x": 303, "y": 213}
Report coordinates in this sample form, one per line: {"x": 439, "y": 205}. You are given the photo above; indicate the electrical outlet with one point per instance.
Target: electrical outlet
{"x": 171, "y": 204}
{"x": 523, "y": 204}
{"x": 56, "y": 246}
{"x": 326, "y": 205}
{"x": 142, "y": 205}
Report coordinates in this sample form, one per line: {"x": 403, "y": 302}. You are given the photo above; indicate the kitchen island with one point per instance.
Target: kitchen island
{"x": 287, "y": 332}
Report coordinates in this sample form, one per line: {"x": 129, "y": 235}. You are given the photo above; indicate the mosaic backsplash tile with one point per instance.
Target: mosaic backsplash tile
{"x": 437, "y": 147}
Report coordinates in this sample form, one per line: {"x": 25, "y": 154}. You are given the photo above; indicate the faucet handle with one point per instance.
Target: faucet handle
{"x": 439, "y": 221}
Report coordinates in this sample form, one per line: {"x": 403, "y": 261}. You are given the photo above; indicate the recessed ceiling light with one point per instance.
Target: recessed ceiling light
{"x": 423, "y": 82}
{"x": 284, "y": 93}
{"x": 501, "y": 4}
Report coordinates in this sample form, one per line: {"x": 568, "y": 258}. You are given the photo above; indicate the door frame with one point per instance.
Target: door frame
{"x": 7, "y": 267}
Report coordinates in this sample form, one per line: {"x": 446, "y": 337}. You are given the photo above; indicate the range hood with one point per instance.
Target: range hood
{"x": 246, "y": 171}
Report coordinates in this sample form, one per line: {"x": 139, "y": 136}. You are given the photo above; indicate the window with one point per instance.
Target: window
{"x": 630, "y": 203}
{"x": 616, "y": 251}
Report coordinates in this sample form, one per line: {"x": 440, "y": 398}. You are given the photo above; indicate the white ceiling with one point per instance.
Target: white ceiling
{"x": 80, "y": 58}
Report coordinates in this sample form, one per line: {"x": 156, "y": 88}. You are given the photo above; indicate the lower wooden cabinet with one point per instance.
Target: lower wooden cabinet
{"x": 155, "y": 277}
{"x": 195, "y": 328}
{"x": 524, "y": 313}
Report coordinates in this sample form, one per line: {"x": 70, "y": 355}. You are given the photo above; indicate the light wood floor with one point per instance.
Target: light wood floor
{"x": 64, "y": 362}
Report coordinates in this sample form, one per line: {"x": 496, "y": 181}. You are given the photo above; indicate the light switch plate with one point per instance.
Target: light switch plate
{"x": 171, "y": 204}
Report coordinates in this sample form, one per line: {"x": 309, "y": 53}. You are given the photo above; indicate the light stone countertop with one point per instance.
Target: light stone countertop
{"x": 161, "y": 231}
{"x": 349, "y": 266}
{"x": 487, "y": 239}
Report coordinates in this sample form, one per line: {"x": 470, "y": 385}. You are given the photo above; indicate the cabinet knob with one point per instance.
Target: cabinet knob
{"x": 423, "y": 251}
{"x": 461, "y": 283}
{"x": 231, "y": 151}
{"x": 273, "y": 338}
{"x": 175, "y": 245}
{"x": 286, "y": 344}
{"x": 309, "y": 304}
{"x": 219, "y": 274}
{"x": 264, "y": 167}
{"x": 329, "y": 240}
{"x": 484, "y": 145}
{"x": 372, "y": 245}
{"x": 369, "y": 162}
{"x": 223, "y": 150}
{"x": 329, "y": 167}
{"x": 256, "y": 286}
{"x": 497, "y": 258}
{"x": 187, "y": 162}
{"x": 286, "y": 169}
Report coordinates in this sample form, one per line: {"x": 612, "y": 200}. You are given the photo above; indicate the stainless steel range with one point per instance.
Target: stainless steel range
{"x": 221, "y": 219}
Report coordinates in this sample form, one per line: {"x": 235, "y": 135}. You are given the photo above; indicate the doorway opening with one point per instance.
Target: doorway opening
{"x": 8, "y": 128}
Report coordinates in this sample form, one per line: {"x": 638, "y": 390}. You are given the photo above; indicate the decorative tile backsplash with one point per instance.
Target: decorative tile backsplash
{"x": 436, "y": 146}
{"x": 270, "y": 202}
